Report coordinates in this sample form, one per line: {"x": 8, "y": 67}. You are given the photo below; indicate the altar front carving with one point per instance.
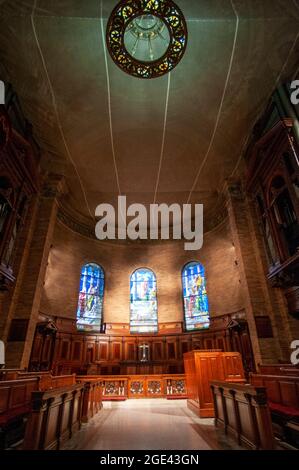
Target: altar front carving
{"x": 118, "y": 388}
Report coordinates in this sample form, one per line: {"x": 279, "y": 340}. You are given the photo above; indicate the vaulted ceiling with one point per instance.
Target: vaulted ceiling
{"x": 170, "y": 139}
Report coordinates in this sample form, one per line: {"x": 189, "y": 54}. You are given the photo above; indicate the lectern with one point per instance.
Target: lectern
{"x": 203, "y": 366}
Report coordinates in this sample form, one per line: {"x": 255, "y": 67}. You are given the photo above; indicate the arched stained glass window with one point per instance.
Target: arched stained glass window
{"x": 196, "y": 306}
{"x": 143, "y": 302}
{"x": 90, "y": 303}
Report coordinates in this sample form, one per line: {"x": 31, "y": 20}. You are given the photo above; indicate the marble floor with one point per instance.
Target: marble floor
{"x": 149, "y": 424}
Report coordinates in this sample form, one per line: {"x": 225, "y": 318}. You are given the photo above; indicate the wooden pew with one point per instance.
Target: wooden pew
{"x": 55, "y": 416}
{"x": 15, "y": 404}
{"x": 203, "y": 366}
{"x": 282, "y": 393}
{"x": 243, "y": 412}
{"x": 48, "y": 381}
{"x": 9, "y": 374}
{"x": 92, "y": 398}
{"x": 15, "y": 400}
{"x": 279, "y": 369}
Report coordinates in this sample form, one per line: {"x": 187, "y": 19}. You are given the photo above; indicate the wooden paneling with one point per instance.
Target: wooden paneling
{"x": 131, "y": 351}
{"x": 100, "y": 353}
{"x": 233, "y": 367}
{"x": 158, "y": 351}
{"x": 116, "y": 351}
{"x": 77, "y": 351}
{"x": 64, "y": 349}
{"x": 103, "y": 351}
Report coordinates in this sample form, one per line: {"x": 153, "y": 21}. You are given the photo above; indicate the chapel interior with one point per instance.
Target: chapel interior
{"x": 121, "y": 343}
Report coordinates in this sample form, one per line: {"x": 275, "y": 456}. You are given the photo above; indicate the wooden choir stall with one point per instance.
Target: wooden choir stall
{"x": 201, "y": 367}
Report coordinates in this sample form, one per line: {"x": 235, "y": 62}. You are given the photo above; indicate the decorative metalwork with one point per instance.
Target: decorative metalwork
{"x": 176, "y": 387}
{"x": 136, "y": 388}
{"x": 146, "y": 38}
{"x": 154, "y": 387}
{"x": 113, "y": 388}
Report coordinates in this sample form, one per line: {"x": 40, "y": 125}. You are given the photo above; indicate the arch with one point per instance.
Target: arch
{"x": 91, "y": 296}
{"x": 143, "y": 301}
{"x": 195, "y": 298}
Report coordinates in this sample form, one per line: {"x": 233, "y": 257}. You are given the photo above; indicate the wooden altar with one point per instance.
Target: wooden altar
{"x": 201, "y": 367}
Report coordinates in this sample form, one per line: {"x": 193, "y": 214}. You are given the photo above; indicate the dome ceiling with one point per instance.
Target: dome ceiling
{"x": 170, "y": 139}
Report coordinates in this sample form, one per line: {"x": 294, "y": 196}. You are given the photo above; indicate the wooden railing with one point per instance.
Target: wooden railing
{"x": 117, "y": 387}
{"x": 244, "y": 413}
{"x": 15, "y": 397}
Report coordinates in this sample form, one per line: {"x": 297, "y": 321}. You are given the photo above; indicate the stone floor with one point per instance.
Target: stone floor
{"x": 149, "y": 424}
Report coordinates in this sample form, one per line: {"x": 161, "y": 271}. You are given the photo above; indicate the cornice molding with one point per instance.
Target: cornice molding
{"x": 211, "y": 222}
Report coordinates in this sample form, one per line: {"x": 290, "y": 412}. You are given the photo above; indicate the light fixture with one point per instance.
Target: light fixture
{"x": 146, "y": 38}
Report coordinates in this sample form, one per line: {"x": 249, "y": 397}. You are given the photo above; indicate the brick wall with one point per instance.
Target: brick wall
{"x": 71, "y": 250}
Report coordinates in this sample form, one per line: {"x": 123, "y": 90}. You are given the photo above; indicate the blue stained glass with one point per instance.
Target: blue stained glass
{"x": 143, "y": 302}
{"x": 90, "y": 303}
{"x": 196, "y": 305}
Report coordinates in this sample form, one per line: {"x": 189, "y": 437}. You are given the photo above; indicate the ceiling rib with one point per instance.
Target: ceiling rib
{"x": 54, "y": 102}
{"x": 109, "y": 101}
{"x": 163, "y": 137}
{"x": 221, "y": 103}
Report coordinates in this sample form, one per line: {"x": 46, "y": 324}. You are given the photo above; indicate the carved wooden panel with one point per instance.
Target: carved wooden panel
{"x": 171, "y": 350}
{"x": 130, "y": 352}
{"x": 77, "y": 350}
{"x": 116, "y": 351}
{"x": 64, "y": 349}
{"x": 103, "y": 351}
{"x": 157, "y": 351}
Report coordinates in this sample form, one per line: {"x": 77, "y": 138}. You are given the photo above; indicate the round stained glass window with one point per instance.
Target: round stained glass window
{"x": 146, "y": 38}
